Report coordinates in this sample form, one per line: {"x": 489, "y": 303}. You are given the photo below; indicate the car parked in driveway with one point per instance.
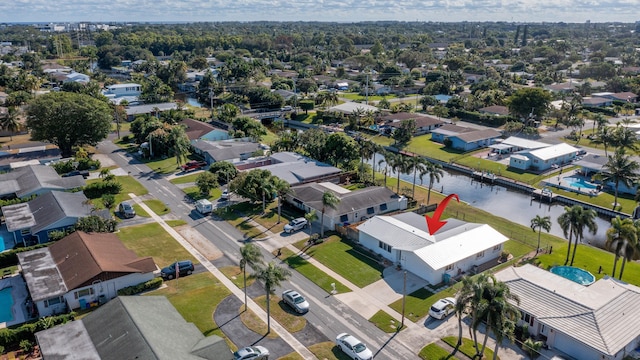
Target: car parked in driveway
{"x": 193, "y": 165}
{"x": 251, "y": 352}
{"x": 185, "y": 267}
{"x": 296, "y": 301}
{"x": 126, "y": 210}
{"x": 442, "y": 308}
{"x": 353, "y": 347}
{"x": 295, "y": 225}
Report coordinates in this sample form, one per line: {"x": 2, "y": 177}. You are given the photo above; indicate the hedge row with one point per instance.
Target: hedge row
{"x": 137, "y": 289}
{"x": 97, "y": 189}
{"x": 11, "y": 337}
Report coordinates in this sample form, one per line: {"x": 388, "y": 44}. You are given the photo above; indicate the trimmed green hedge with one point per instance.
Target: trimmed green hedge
{"x": 137, "y": 289}
{"x": 97, "y": 189}
{"x": 12, "y": 337}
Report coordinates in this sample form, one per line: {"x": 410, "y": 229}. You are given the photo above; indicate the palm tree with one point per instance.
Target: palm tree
{"x": 620, "y": 168}
{"x": 417, "y": 164}
{"x": 250, "y": 255}
{"x": 329, "y": 199}
{"x": 399, "y": 163}
{"x": 366, "y": 152}
{"x": 573, "y": 221}
{"x": 496, "y": 311}
{"x": 9, "y": 121}
{"x": 311, "y": 216}
{"x": 281, "y": 188}
{"x": 464, "y": 301}
{"x": 434, "y": 170}
{"x": 621, "y": 233}
{"x": 624, "y": 137}
{"x": 540, "y": 222}
{"x": 375, "y": 149}
{"x": 271, "y": 276}
{"x": 385, "y": 161}
{"x": 266, "y": 187}
{"x": 605, "y": 137}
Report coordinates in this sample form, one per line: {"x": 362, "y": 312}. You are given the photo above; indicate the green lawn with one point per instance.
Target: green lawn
{"x": 152, "y": 240}
{"x": 235, "y": 275}
{"x": 358, "y": 97}
{"x": 139, "y": 210}
{"x": 282, "y": 313}
{"x": 176, "y": 223}
{"x": 184, "y": 179}
{"x": 237, "y": 214}
{"x": 468, "y": 348}
{"x": 157, "y": 206}
{"x": 168, "y": 165}
{"x": 311, "y": 272}
{"x": 345, "y": 259}
{"x": 194, "y": 193}
{"x": 604, "y": 199}
{"x": 385, "y": 322}
{"x": 434, "y": 352}
{"x": 196, "y": 298}
{"x": 328, "y": 351}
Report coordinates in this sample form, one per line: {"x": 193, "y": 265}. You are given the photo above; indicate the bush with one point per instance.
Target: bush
{"x": 10, "y": 338}
{"x": 97, "y": 189}
{"x": 6, "y": 202}
{"x": 137, "y": 289}
{"x": 10, "y": 257}
{"x": 26, "y": 345}
{"x": 88, "y": 164}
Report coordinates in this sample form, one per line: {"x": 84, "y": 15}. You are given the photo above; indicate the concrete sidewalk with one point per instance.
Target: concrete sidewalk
{"x": 276, "y": 327}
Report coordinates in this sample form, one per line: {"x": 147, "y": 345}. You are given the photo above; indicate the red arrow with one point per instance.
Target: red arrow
{"x": 433, "y": 223}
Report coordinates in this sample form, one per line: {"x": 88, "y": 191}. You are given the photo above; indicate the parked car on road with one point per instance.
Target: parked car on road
{"x": 295, "y": 225}
{"x": 251, "y": 352}
{"x": 353, "y": 347}
{"x": 296, "y": 301}
{"x": 126, "y": 210}
{"x": 185, "y": 267}
{"x": 442, "y": 308}
{"x": 193, "y": 165}
{"x": 224, "y": 195}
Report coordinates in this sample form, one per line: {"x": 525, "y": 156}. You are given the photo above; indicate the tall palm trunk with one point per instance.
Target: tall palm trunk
{"x": 398, "y": 191}
{"x": 566, "y": 261}
{"x": 322, "y": 224}
{"x": 624, "y": 261}
{"x": 486, "y": 337}
{"x": 373, "y": 169}
{"x": 615, "y": 264}
{"x": 575, "y": 247}
{"x": 429, "y": 192}
{"x": 615, "y": 198}
{"x": 455, "y": 349}
{"x": 268, "y": 312}
{"x": 495, "y": 350}
{"x": 413, "y": 190}
{"x": 279, "y": 208}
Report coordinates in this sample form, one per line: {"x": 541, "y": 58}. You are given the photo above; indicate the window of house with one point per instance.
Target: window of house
{"x": 531, "y": 321}
{"x": 25, "y": 231}
{"x": 370, "y": 210}
{"x": 384, "y": 246}
{"x": 527, "y": 317}
{"x": 383, "y": 207}
{"x": 535, "y": 161}
{"x": 53, "y": 301}
{"x": 83, "y": 293}
{"x": 449, "y": 267}
{"x": 344, "y": 218}
{"x": 496, "y": 248}
{"x": 480, "y": 254}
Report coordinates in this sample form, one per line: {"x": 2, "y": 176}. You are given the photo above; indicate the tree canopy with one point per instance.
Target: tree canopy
{"x": 69, "y": 119}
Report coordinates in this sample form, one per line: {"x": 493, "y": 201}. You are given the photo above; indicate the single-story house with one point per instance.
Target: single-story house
{"x": 131, "y": 327}
{"x": 592, "y": 164}
{"x": 152, "y": 109}
{"x": 620, "y": 96}
{"x": 424, "y": 123}
{"x": 544, "y": 158}
{"x": 349, "y": 107}
{"x": 596, "y": 101}
{"x": 81, "y": 270}
{"x": 232, "y": 150}
{"x": 464, "y": 138}
{"x": 196, "y": 129}
{"x": 36, "y": 155}
{"x": 36, "y": 180}
{"x": 354, "y": 206}
{"x": 120, "y": 90}
{"x": 455, "y": 249}
{"x": 293, "y": 168}
{"x": 498, "y": 110}
{"x": 595, "y": 322}
{"x": 55, "y": 210}
{"x": 514, "y": 144}
{"x": 565, "y": 87}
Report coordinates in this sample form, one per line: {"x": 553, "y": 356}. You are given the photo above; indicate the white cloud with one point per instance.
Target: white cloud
{"x": 321, "y": 10}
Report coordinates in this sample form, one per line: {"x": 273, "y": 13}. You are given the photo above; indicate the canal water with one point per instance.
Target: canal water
{"x": 510, "y": 204}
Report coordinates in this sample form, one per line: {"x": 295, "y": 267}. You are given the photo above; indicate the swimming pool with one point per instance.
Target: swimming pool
{"x": 577, "y": 275}
{"x": 2, "y": 248}
{"x": 6, "y": 305}
{"x": 579, "y": 183}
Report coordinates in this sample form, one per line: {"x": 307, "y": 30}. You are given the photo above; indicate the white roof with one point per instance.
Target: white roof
{"x": 454, "y": 242}
{"x": 460, "y": 246}
{"x": 350, "y": 107}
{"x": 335, "y": 188}
{"x": 553, "y": 151}
{"x": 519, "y": 157}
{"x": 592, "y": 315}
{"x": 524, "y": 143}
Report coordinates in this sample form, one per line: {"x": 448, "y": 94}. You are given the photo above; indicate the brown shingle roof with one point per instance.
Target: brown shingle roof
{"x": 196, "y": 129}
{"x": 421, "y": 120}
{"x": 82, "y": 258}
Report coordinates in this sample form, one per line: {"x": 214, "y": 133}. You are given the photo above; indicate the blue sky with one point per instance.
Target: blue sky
{"x": 319, "y": 10}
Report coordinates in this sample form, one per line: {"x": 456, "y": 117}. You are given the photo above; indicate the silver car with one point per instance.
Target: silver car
{"x": 296, "y": 301}
{"x": 442, "y": 308}
{"x": 251, "y": 352}
{"x": 295, "y": 225}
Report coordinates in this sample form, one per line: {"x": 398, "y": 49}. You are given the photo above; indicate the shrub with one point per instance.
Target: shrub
{"x": 88, "y": 164}
{"x": 97, "y": 189}
{"x": 137, "y": 289}
{"x": 26, "y": 345}
{"x": 10, "y": 257}
{"x": 10, "y": 338}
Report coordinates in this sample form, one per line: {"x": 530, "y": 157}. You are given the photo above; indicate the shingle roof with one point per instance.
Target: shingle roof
{"x": 196, "y": 129}
{"x": 29, "y": 179}
{"x": 591, "y": 315}
{"x": 421, "y": 120}
{"x": 134, "y": 327}
{"x": 294, "y": 168}
{"x": 226, "y": 150}
{"x": 311, "y": 194}
{"x": 82, "y": 258}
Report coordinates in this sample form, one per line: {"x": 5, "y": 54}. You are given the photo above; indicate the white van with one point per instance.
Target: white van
{"x": 204, "y": 206}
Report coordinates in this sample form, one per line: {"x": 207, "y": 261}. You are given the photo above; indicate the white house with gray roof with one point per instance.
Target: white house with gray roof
{"x": 131, "y": 327}
{"x": 232, "y": 150}
{"x": 595, "y": 322}
{"x": 292, "y": 167}
{"x": 35, "y": 180}
{"x": 543, "y": 158}
{"x": 457, "y": 248}
{"x": 354, "y": 206}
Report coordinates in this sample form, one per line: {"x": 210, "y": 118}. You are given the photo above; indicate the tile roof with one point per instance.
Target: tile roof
{"x": 591, "y": 315}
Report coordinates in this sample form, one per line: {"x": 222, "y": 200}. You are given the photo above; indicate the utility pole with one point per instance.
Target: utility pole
{"x": 366, "y": 92}
{"x": 404, "y": 298}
